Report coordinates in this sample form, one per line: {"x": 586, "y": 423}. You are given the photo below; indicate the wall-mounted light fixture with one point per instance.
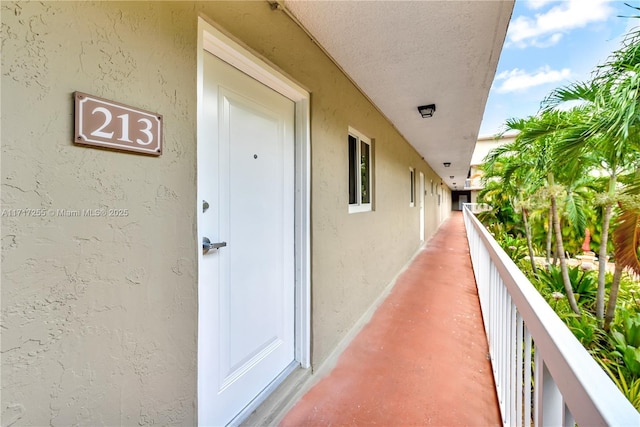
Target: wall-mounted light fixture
{"x": 454, "y": 183}
{"x": 447, "y": 164}
{"x": 451, "y": 176}
{"x": 427, "y": 110}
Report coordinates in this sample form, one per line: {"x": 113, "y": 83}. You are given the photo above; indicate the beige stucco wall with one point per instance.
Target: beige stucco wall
{"x": 99, "y": 315}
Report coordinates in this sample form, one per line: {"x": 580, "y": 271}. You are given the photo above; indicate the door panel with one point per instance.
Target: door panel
{"x": 246, "y": 168}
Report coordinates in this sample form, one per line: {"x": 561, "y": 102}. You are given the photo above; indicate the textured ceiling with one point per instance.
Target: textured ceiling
{"x": 403, "y": 54}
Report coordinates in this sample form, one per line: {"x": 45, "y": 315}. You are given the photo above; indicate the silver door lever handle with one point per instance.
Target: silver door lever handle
{"x": 207, "y": 245}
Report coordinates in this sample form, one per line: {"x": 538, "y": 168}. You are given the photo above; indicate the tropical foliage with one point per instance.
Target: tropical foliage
{"x": 573, "y": 167}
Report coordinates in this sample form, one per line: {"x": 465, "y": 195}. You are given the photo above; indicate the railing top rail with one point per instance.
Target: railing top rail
{"x": 589, "y": 393}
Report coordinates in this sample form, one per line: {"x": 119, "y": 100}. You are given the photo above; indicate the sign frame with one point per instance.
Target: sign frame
{"x": 116, "y": 126}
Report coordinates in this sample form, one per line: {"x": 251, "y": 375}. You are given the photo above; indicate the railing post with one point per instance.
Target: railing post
{"x": 515, "y": 362}
{"x": 519, "y": 365}
{"x": 526, "y": 419}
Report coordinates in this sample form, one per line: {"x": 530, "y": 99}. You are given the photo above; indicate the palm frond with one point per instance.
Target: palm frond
{"x": 575, "y": 211}
{"x": 578, "y": 91}
{"x": 626, "y": 238}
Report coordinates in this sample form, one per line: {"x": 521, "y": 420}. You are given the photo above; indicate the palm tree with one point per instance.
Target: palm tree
{"x": 535, "y": 147}
{"x": 608, "y": 129}
{"x": 626, "y": 238}
{"x": 517, "y": 183}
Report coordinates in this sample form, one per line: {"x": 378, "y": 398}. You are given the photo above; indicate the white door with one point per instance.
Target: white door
{"x": 246, "y": 288}
{"x": 462, "y": 199}
{"x": 421, "y": 204}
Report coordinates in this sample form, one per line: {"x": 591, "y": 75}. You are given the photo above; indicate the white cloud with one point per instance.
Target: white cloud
{"x": 519, "y": 80}
{"x": 545, "y": 29}
{"x": 537, "y": 4}
{"x": 548, "y": 41}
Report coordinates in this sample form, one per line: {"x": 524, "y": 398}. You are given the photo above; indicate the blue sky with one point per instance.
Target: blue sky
{"x": 551, "y": 44}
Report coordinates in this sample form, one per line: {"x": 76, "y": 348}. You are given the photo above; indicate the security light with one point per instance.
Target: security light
{"x": 427, "y": 110}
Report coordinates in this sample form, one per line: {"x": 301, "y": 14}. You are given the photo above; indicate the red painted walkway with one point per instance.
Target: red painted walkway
{"x": 421, "y": 360}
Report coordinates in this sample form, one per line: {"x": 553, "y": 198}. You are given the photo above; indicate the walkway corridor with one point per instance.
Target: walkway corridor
{"x": 421, "y": 360}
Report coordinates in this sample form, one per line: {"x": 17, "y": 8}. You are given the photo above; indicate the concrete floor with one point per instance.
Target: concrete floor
{"x": 421, "y": 360}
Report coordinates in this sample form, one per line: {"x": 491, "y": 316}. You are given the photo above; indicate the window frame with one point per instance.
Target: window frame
{"x": 412, "y": 187}
{"x": 360, "y": 138}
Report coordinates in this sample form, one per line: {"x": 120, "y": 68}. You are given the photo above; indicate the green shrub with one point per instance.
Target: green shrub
{"x": 625, "y": 337}
{"x": 583, "y": 283}
{"x": 515, "y": 247}
{"x": 586, "y": 329}
{"x": 629, "y": 386}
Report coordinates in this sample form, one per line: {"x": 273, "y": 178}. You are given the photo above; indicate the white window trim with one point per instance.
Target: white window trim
{"x": 362, "y": 207}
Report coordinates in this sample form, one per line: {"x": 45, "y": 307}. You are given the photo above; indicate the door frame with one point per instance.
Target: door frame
{"x": 421, "y": 206}
{"x": 216, "y": 42}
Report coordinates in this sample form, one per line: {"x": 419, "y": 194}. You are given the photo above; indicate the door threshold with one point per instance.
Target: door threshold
{"x": 268, "y": 408}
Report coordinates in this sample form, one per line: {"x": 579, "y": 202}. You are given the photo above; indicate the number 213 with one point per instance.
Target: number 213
{"x": 124, "y": 128}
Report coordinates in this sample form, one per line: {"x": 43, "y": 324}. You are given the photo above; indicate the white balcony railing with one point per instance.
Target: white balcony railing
{"x": 542, "y": 372}
{"x": 473, "y": 183}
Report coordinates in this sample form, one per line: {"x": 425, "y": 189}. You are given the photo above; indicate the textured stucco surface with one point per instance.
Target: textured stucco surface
{"x": 99, "y": 315}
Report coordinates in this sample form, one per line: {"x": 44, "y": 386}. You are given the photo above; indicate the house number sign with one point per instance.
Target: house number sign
{"x": 108, "y": 124}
